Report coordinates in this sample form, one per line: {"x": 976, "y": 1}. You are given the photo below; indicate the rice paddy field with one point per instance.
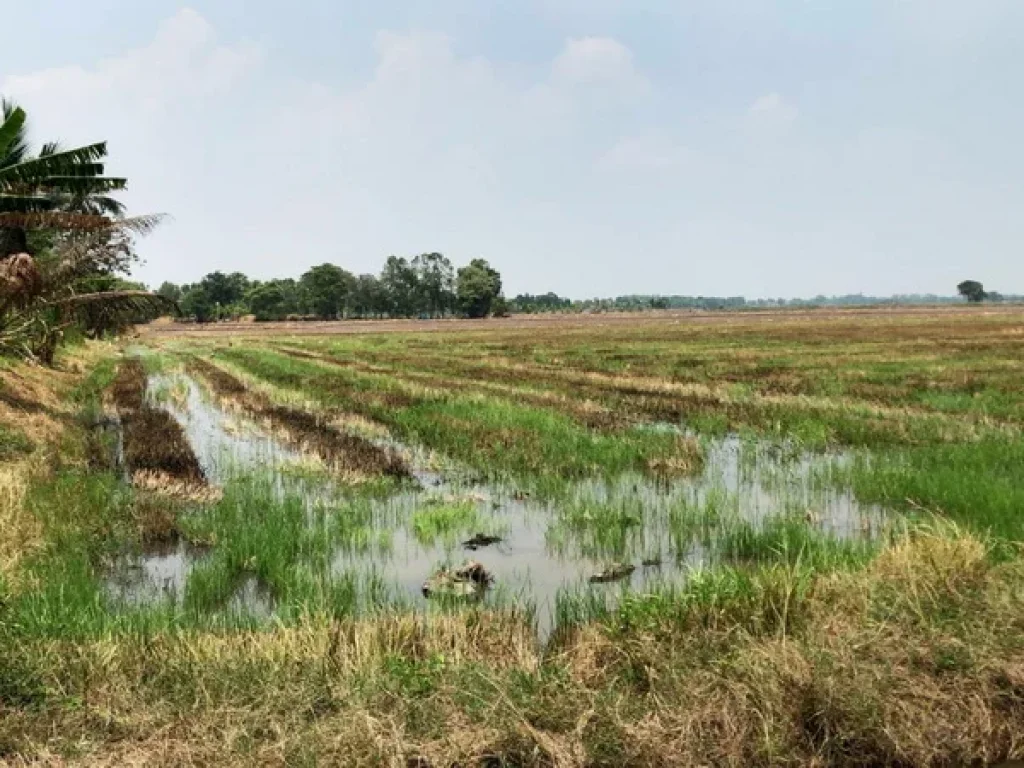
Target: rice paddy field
{"x": 665, "y": 539}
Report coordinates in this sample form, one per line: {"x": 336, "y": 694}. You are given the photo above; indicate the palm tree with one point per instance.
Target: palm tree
{"x": 63, "y": 194}
{"x": 62, "y": 189}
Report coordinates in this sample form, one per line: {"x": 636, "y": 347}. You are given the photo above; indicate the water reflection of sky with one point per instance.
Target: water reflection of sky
{"x": 546, "y": 548}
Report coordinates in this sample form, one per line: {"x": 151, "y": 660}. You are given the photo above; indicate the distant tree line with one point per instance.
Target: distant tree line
{"x": 643, "y": 302}
{"x": 427, "y": 286}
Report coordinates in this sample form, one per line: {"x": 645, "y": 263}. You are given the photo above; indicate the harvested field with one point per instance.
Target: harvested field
{"x": 670, "y": 539}
{"x": 550, "y": 321}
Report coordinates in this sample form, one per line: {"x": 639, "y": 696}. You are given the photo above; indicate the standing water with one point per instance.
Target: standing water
{"x": 629, "y": 529}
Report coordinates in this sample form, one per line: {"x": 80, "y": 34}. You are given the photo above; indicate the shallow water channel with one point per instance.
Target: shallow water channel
{"x": 662, "y": 529}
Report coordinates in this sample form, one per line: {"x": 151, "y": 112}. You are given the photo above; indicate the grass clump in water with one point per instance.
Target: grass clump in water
{"x": 790, "y": 539}
{"x": 445, "y": 521}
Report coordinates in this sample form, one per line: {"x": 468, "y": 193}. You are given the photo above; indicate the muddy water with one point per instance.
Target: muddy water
{"x": 663, "y": 529}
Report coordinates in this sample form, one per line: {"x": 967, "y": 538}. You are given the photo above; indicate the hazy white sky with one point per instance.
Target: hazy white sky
{"x": 590, "y": 147}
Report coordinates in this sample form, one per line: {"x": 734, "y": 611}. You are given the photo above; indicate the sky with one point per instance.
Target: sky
{"x": 586, "y": 147}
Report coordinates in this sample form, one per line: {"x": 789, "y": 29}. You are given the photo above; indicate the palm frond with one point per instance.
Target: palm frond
{"x": 74, "y": 222}
{"x": 12, "y": 130}
{"x": 140, "y": 225}
{"x": 91, "y": 204}
{"x": 84, "y": 170}
{"x": 79, "y": 222}
{"x": 141, "y": 301}
{"x": 59, "y": 163}
{"x": 98, "y": 205}
{"x": 27, "y": 203}
{"x": 86, "y": 185}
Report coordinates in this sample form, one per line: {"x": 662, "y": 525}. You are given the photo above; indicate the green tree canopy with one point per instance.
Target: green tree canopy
{"x": 274, "y": 299}
{"x": 972, "y": 290}
{"x": 367, "y": 298}
{"x": 225, "y": 289}
{"x": 196, "y": 303}
{"x": 478, "y": 285}
{"x": 400, "y": 287}
{"x": 326, "y": 289}
{"x": 435, "y": 283}
{"x": 169, "y": 291}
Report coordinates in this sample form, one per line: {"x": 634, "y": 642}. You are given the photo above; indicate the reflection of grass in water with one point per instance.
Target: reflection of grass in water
{"x": 699, "y": 520}
{"x": 357, "y": 529}
{"x": 168, "y": 390}
{"x": 287, "y": 545}
{"x": 772, "y": 571}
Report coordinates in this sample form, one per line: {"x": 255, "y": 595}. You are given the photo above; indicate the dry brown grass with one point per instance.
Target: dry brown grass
{"x": 915, "y": 661}
{"x": 20, "y": 532}
{"x": 33, "y": 402}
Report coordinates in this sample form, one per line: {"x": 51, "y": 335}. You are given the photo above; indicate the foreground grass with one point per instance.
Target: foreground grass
{"x": 913, "y": 659}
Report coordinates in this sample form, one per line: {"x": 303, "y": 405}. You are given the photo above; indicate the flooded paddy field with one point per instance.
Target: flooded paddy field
{"x": 744, "y": 500}
{"x": 773, "y": 540}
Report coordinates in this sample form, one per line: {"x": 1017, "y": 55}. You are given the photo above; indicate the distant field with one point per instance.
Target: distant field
{"x": 752, "y": 538}
{"x": 167, "y": 327}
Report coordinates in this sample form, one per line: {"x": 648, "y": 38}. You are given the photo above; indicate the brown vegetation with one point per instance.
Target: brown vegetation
{"x": 570, "y": 322}
{"x": 153, "y": 441}
{"x": 344, "y": 451}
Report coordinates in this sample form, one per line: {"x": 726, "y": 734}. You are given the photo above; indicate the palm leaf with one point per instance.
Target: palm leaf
{"x": 98, "y": 205}
{"x": 12, "y": 131}
{"x": 74, "y": 222}
{"x": 83, "y": 185}
{"x": 24, "y": 203}
{"x": 79, "y": 222}
{"x": 140, "y": 225}
{"x": 92, "y": 204}
{"x": 141, "y": 301}
{"x": 53, "y": 165}
{"x": 84, "y": 170}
